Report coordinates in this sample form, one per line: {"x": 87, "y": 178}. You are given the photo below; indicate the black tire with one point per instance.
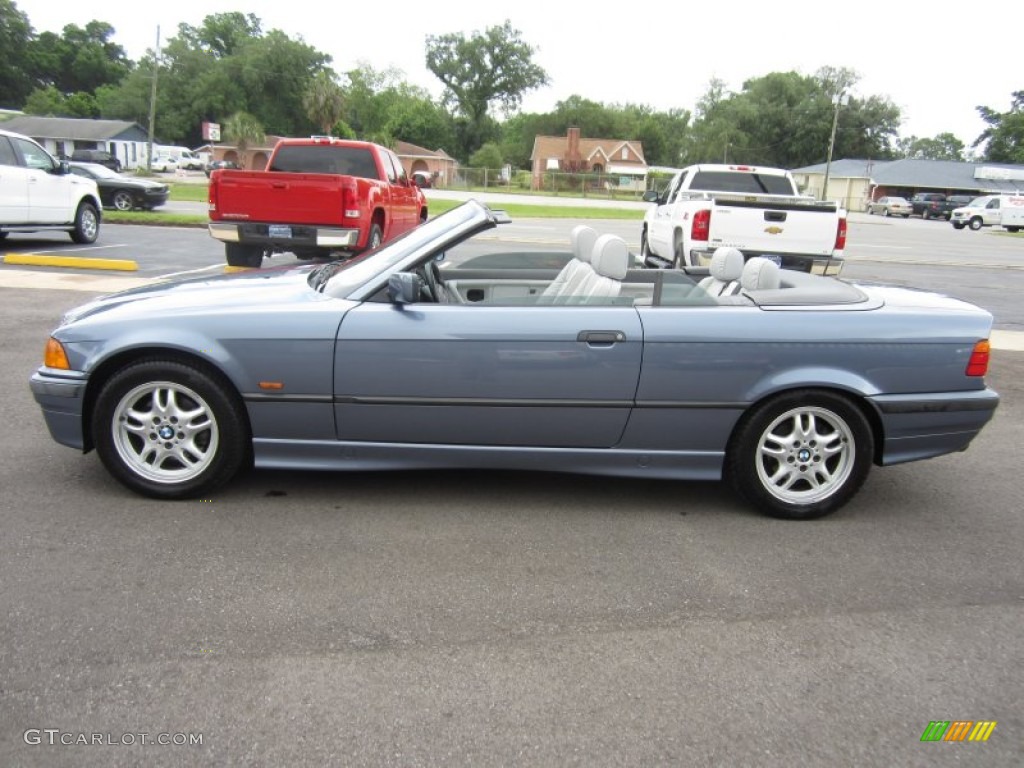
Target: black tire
{"x": 645, "y": 247}
{"x": 239, "y": 255}
{"x": 885, "y": 212}
{"x": 122, "y": 200}
{"x": 818, "y": 452}
{"x": 375, "y": 238}
{"x": 1013, "y": 229}
{"x": 87, "y": 224}
{"x": 3, "y": 235}
{"x": 925, "y": 216}
{"x": 678, "y": 255}
{"x": 957, "y": 225}
{"x": 146, "y": 438}
{"x": 976, "y": 223}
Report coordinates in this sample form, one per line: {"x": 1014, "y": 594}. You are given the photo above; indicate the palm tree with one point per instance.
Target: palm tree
{"x": 244, "y": 130}
{"x": 324, "y": 101}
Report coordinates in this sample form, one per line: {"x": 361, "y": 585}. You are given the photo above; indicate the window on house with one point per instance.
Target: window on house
{"x": 625, "y": 154}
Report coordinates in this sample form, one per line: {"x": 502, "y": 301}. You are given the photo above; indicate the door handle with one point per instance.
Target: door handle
{"x": 601, "y": 338}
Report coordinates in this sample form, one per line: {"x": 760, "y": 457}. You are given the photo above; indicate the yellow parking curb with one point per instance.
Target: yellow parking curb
{"x": 229, "y": 269}
{"x": 82, "y": 262}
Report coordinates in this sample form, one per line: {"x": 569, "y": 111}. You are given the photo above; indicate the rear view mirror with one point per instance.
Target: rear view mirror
{"x": 404, "y": 288}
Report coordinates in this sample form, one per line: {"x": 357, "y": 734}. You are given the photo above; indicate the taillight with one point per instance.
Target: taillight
{"x": 350, "y": 200}
{"x": 978, "y": 364}
{"x": 700, "y": 229}
{"x": 211, "y": 200}
{"x": 841, "y": 235}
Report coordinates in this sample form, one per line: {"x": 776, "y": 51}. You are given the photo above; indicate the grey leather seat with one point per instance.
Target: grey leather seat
{"x": 726, "y": 269}
{"x": 579, "y": 267}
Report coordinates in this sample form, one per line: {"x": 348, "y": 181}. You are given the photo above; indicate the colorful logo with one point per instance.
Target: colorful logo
{"x": 958, "y": 730}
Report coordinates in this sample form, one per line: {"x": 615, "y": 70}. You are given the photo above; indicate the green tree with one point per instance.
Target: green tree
{"x": 488, "y": 156}
{"x": 324, "y": 101}
{"x": 50, "y": 102}
{"x": 243, "y": 130}
{"x": 944, "y": 146}
{"x": 1003, "y": 140}
{"x": 492, "y": 67}
{"x": 16, "y": 33}
{"x": 79, "y": 59}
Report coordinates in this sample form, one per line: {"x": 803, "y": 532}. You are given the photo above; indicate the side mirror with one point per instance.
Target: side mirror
{"x": 404, "y": 288}
{"x": 651, "y": 196}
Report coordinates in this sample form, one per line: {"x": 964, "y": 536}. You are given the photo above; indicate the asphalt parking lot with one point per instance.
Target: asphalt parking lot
{"x": 482, "y": 618}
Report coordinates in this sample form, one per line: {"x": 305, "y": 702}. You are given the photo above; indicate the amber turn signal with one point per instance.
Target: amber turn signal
{"x": 55, "y": 356}
{"x": 978, "y": 364}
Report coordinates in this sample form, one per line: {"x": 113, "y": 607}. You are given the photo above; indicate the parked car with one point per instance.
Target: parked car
{"x": 122, "y": 192}
{"x": 929, "y": 205}
{"x": 890, "y": 206}
{"x": 211, "y": 167}
{"x": 38, "y": 193}
{"x": 791, "y": 388}
{"x": 98, "y": 156}
{"x": 163, "y": 164}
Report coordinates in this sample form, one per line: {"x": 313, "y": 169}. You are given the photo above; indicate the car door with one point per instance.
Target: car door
{"x": 404, "y": 209}
{"x": 455, "y": 374}
{"x": 992, "y": 215}
{"x": 49, "y": 192}
{"x": 660, "y": 235}
{"x": 13, "y": 186}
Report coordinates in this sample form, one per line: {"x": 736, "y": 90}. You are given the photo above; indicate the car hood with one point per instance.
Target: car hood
{"x": 254, "y": 291}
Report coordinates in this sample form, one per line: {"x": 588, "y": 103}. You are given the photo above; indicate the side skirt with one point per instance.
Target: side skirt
{"x": 362, "y": 457}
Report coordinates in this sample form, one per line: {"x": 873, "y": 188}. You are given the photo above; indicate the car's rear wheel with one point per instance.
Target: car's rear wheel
{"x": 169, "y": 430}
{"x": 123, "y": 201}
{"x": 975, "y": 223}
{"x": 87, "y": 224}
{"x": 1013, "y": 229}
{"x": 957, "y": 225}
{"x": 376, "y": 237}
{"x": 678, "y": 255}
{"x": 885, "y": 211}
{"x": 239, "y": 255}
{"x": 801, "y": 455}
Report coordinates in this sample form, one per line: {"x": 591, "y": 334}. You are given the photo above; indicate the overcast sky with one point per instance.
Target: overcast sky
{"x": 936, "y": 67}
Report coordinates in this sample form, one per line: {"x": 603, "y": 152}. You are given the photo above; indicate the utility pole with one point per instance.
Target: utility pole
{"x": 152, "y": 103}
{"x": 832, "y": 143}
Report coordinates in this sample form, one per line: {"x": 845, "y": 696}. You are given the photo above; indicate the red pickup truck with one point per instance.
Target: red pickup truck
{"x": 318, "y": 197}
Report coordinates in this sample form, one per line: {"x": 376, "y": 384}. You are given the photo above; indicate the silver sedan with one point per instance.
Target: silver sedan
{"x": 891, "y": 206}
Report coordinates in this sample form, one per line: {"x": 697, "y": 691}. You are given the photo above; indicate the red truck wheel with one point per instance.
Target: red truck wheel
{"x": 239, "y": 255}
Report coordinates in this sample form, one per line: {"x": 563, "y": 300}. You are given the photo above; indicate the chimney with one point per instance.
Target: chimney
{"x": 572, "y": 152}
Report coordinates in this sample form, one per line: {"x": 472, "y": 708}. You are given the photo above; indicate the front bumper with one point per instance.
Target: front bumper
{"x": 302, "y": 235}
{"x": 62, "y": 398}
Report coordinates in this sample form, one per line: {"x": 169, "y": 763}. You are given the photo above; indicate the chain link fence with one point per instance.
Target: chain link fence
{"x": 597, "y": 185}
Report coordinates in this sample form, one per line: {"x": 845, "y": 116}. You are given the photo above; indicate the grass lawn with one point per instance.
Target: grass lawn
{"x": 196, "y": 193}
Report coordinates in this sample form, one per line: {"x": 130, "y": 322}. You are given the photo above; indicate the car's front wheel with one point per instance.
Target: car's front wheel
{"x": 169, "y": 430}
{"x": 123, "y": 201}
{"x": 801, "y": 455}
{"x": 975, "y": 223}
{"x": 87, "y": 224}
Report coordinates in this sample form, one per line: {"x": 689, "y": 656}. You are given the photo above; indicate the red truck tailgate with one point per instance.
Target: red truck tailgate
{"x": 296, "y": 198}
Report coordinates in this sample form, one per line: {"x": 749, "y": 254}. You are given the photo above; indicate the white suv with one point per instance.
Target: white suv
{"x": 39, "y": 193}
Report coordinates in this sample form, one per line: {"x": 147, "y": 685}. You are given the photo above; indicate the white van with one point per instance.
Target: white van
{"x": 184, "y": 157}
{"x": 991, "y": 211}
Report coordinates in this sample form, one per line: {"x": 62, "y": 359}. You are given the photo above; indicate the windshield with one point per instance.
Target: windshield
{"x": 324, "y": 158}
{"x": 339, "y": 279}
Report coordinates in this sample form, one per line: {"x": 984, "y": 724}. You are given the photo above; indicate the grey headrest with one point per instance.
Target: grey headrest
{"x": 583, "y": 238}
{"x": 611, "y": 257}
{"x": 760, "y": 275}
{"x": 727, "y": 264}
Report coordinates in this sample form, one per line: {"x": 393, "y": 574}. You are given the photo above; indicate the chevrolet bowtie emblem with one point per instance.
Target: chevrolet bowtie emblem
{"x": 773, "y": 230}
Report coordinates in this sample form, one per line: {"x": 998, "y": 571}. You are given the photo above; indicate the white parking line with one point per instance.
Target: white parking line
{"x": 189, "y": 272}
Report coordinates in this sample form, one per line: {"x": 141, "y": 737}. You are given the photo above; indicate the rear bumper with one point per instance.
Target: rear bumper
{"x": 301, "y": 235}
{"x": 62, "y": 401}
{"x": 922, "y": 426}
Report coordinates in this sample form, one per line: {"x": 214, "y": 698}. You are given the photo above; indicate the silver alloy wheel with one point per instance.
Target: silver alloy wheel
{"x": 90, "y": 225}
{"x": 165, "y": 432}
{"x": 805, "y": 455}
{"x": 123, "y": 201}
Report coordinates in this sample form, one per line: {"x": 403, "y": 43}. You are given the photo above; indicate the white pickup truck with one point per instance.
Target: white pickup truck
{"x": 757, "y": 210}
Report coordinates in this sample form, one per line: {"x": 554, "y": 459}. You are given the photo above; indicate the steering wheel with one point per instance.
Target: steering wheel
{"x": 435, "y": 285}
